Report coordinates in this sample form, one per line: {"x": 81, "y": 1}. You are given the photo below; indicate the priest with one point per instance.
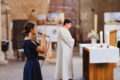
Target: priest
{"x": 64, "y": 67}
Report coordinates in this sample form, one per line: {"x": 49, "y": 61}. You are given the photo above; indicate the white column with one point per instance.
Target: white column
{"x": 9, "y": 53}
{"x": 101, "y": 37}
{"x": 2, "y": 55}
{"x": 108, "y": 38}
{"x": 95, "y": 22}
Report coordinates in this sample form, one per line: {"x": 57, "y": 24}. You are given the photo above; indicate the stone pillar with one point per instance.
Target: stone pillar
{"x": 9, "y": 53}
{"x": 7, "y": 27}
{"x": 79, "y": 30}
{"x": 2, "y": 56}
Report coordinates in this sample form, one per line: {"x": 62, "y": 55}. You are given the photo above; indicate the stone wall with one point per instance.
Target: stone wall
{"x": 90, "y": 7}
{"x": 68, "y": 7}
{"x": 20, "y": 9}
{"x": 87, "y": 9}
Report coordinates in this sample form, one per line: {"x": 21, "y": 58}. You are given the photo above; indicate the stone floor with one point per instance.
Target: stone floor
{"x": 14, "y": 70}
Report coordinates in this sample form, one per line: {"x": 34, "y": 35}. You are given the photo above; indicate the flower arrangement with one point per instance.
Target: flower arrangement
{"x": 93, "y": 35}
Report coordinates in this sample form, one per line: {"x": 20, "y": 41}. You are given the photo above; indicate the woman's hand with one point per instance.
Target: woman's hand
{"x": 44, "y": 35}
{"x": 41, "y": 49}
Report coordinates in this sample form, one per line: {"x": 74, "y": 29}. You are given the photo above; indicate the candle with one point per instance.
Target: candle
{"x": 95, "y": 22}
{"x": 108, "y": 38}
{"x": 101, "y": 37}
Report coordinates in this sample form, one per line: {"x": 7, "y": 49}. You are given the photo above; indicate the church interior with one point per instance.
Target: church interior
{"x": 95, "y": 29}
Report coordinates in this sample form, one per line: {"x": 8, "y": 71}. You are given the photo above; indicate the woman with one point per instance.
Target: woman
{"x": 32, "y": 69}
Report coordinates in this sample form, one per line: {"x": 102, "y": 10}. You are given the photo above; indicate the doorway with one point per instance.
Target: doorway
{"x": 18, "y": 27}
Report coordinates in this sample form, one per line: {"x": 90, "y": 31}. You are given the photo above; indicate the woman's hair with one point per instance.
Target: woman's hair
{"x": 67, "y": 21}
{"x": 27, "y": 28}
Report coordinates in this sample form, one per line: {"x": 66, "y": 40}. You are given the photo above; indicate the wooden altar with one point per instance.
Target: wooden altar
{"x": 96, "y": 71}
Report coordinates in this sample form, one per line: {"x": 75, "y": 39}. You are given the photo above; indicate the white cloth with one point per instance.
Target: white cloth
{"x": 86, "y": 45}
{"x": 65, "y": 45}
{"x": 81, "y": 47}
{"x": 103, "y": 55}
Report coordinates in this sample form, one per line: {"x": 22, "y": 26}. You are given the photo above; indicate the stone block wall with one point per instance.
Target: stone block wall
{"x": 87, "y": 9}
{"x": 21, "y": 8}
{"x": 68, "y": 7}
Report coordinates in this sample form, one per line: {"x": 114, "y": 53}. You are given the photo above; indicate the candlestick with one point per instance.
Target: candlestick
{"x": 108, "y": 38}
{"x": 101, "y": 37}
{"x": 95, "y": 22}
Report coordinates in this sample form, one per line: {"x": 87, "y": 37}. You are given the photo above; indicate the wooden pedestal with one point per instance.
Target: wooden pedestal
{"x": 103, "y": 71}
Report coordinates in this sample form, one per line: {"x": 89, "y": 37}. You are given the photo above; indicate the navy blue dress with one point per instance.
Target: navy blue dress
{"x": 32, "y": 69}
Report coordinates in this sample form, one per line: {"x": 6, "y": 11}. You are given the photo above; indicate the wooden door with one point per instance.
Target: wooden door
{"x": 18, "y": 27}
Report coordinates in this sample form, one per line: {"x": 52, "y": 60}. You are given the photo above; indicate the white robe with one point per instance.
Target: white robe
{"x": 65, "y": 45}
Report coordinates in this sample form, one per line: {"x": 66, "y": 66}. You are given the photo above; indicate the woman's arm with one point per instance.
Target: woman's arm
{"x": 41, "y": 49}
{"x": 38, "y": 48}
